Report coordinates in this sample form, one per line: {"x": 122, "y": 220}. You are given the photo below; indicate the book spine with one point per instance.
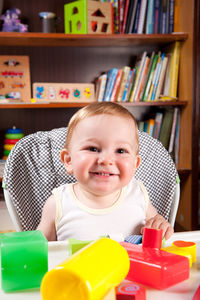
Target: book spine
{"x": 177, "y": 137}
{"x": 129, "y": 15}
{"x": 144, "y": 72}
{"x": 141, "y": 126}
{"x": 171, "y": 142}
{"x": 116, "y": 86}
{"x": 103, "y": 79}
{"x": 158, "y": 122}
{"x": 167, "y": 76}
{"x": 147, "y": 76}
{"x": 147, "y": 90}
{"x": 157, "y": 76}
{"x": 150, "y": 16}
{"x": 110, "y": 85}
{"x": 141, "y": 64}
{"x": 133, "y": 17}
{"x": 171, "y": 16}
{"x": 163, "y": 17}
{"x": 132, "y": 84}
{"x": 162, "y": 76}
{"x": 124, "y": 96}
{"x": 154, "y": 78}
{"x": 145, "y": 126}
{"x": 167, "y": 26}
{"x": 142, "y": 16}
{"x": 126, "y": 71}
{"x": 137, "y": 17}
{"x": 121, "y": 14}
{"x": 177, "y": 4}
{"x": 125, "y": 15}
{"x": 157, "y": 11}
{"x": 166, "y": 127}
{"x": 174, "y": 70}
{"x": 151, "y": 123}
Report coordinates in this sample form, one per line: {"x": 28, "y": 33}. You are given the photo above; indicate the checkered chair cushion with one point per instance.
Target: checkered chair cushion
{"x": 34, "y": 168}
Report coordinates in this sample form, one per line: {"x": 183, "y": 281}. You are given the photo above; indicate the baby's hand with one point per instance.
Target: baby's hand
{"x": 158, "y": 222}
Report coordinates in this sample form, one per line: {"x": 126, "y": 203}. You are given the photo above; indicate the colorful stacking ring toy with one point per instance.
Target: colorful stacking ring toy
{"x": 11, "y": 141}
{"x": 12, "y": 136}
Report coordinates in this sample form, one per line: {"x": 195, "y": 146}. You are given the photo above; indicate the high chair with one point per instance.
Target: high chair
{"x": 34, "y": 168}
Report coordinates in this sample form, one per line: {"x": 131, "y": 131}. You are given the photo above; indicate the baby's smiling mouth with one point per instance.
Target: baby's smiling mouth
{"x": 103, "y": 174}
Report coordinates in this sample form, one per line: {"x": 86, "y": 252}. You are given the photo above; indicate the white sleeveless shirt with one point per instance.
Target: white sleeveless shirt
{"x": 125, "y": 217}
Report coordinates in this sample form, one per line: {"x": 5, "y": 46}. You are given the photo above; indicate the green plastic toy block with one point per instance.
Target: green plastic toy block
{"x": 75, "y": 245}
{"x": 24, "y": 260}
{"x": 75, "y": 14}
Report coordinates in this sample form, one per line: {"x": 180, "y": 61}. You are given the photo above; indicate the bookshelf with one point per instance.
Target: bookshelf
{"x": 58, "y": 57}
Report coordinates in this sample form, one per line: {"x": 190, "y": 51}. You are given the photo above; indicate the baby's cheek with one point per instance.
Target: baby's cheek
{"x": 128, "y": 170}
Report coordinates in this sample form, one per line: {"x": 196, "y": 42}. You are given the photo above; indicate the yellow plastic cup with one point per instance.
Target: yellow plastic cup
{"x": 88, "y": 274}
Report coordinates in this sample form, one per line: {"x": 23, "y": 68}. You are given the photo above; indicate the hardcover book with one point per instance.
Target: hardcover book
{"x": 166, "y": 128}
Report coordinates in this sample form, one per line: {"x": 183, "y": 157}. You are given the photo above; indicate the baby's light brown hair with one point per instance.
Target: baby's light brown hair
{"x": 100, "y": 108}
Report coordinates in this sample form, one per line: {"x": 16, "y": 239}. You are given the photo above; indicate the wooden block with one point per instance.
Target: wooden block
{"x": 99, "y": 17}
{"x": 63, "y": 92}
{"x": 15, "y": 78}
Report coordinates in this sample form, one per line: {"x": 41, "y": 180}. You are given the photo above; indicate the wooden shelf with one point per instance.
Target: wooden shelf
{"x": 31, "y": 39}
{"x": 184, "y": 172}
{"x": 68, "y": 105}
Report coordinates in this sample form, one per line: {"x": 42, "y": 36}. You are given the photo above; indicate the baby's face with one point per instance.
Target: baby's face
{"x": 103, "y": 153}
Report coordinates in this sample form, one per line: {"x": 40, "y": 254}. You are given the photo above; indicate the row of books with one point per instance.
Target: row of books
{"x": 154, "y": 77}
{"x": 143, "y": 16}
{"x": 165, "y": 127}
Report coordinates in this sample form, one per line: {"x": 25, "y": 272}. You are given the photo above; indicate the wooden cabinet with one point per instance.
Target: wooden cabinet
{"x": 58, "y": 57}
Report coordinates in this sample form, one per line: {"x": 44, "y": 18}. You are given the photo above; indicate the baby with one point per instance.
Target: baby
{"x": 102, "y": 152}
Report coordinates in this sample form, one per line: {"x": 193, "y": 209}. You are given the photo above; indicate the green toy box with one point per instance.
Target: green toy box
{"x": 88, "y": 17}
{"x": 76, "y": 17}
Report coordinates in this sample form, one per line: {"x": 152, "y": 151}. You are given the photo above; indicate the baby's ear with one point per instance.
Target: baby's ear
{"x": 137, "y": 161}
{"x": 66, "y": 159}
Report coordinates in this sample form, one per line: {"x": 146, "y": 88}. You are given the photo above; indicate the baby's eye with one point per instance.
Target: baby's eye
{"x": 93, "y": 149}
{"x": 121, "y": 151}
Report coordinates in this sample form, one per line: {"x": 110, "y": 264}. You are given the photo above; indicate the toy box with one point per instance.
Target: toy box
{"x": 87, "y": 16}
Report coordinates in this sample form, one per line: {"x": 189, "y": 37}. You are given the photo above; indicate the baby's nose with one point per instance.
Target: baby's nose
{"x": 105, "y": 158}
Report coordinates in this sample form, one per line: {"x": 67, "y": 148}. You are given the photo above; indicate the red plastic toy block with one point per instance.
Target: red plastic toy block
{"x": 130, "y": 291}
{"x": 154, "y": 267}
{"x": 197, "y": 294}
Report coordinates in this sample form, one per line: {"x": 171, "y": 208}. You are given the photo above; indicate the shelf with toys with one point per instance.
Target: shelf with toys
{"x": 81, "y": 104}
{"x": 32, "y": 39}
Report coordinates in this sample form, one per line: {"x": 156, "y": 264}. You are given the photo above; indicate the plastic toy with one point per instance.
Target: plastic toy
{"x": 187, "y": 249}
{"x": 197, "y": 294}
{"x": 74, "y": 245}
{"x": 24, "y": 260}
{"x": 152, "y": 238}
{"x": 86, "y": 16}
{"x": 152, "y": 266}
{"x": 88, "y": 274}
{"x": 11, "y": 21}
{"x": 130, "y": 291}
{"x": 134, "y": 239}
{"x": 12, "y": 136}
{"x": 110, "y": 295}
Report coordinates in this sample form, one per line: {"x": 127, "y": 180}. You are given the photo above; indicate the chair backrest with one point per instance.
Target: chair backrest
{"x": 34, "y": 168}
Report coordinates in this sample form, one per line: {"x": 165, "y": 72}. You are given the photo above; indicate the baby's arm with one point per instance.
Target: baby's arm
{"x": 47, "y": 223}
{"x": 155, "y": 220}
